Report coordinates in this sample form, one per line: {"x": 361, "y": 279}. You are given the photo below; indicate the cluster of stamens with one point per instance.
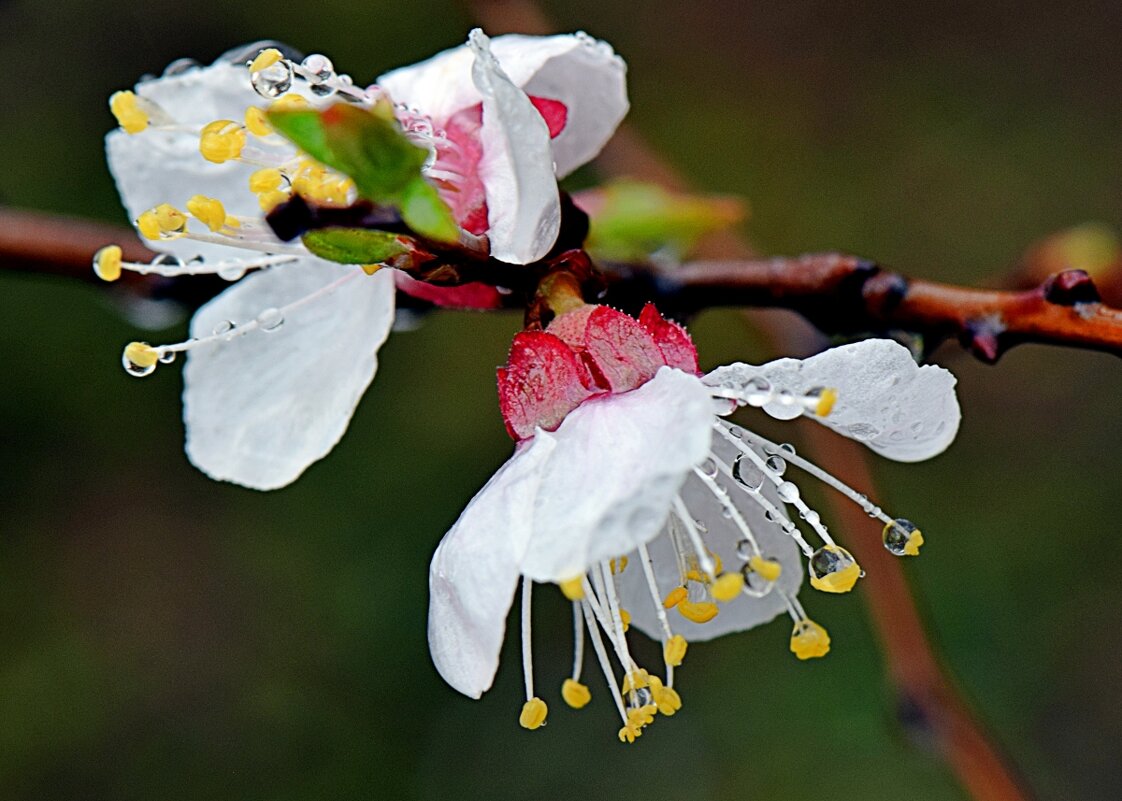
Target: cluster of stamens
{"x": 281, "y": 172}
{"x": 706, "y": 583}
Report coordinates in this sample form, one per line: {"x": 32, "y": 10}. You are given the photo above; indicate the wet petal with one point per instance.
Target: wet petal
{"x": 619, "y": 461}
{"x": 576, "y": 70}
{"x": 524, "y": 209}
{"x": 898, "y": 408}
{"x": 474, "y": 571}
{"x": 261, "y": 408}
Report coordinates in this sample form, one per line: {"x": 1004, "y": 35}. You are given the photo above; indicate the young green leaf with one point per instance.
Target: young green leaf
{"x": 355, "y": 245}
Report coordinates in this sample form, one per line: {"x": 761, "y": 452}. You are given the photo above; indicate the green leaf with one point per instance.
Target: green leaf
{"x": 424, "y": 212}
{"x": 368, "y": 146}
{"x": 355, "y": 245}
{"x": 630, "y": 220}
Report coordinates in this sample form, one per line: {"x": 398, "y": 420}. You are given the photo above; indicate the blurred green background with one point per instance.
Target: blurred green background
{"x": 166, "y": 637}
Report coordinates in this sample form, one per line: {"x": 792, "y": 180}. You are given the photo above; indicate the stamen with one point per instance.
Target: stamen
{"x": 690, "y": 526}
{"x": 208, "y": 211}
{"x": 271, "y": 75}
{"x": 534, "y": 711}
{"x": 861, "y": 500}
{"x": 129, "y": 111}
{"x": 573, "y": 588}
{"x": 657, "y": 603}
{"x": 221, "y": 140}
{"x": 268, "y": 320}
{"x": 902, "y": 538}
{"x": 602, "y": 658}
{"x": 108, "y": 266}
{"x": 809, "y": 640}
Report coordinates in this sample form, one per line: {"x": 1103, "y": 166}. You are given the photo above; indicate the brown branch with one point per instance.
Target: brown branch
{"x": 51, "y": 244}
{"x": 844, "y": 294}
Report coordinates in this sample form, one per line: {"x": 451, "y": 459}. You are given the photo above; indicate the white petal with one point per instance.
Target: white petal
{"x": 617, "y": 465}
{"x": 474, "y": 571}
{"x": 897, "y": 408}
{"x": 524, "y": 210}
{"x": 260, "y": 408}
{"x": 576, "y": 69}
{"x": 159, "y": 166}
{"x": 721, "y": 537}
{"x": 581, "y": 72}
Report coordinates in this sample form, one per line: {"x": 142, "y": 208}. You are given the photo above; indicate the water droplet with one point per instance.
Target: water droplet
{"x": 757, "y": 392}
{"x": 701, "y": 527}
{"x": 747, "y": 474}
{"x": 776, "y": 464}
{"x": 726, "y": 511}
{"x": 642, "y": 696}
{"x": 270, "y": 320}
{"x": 232, "y": 272}
{"x": 786, "y": 397}
{"x": 917, "y": 427}
{"x": 709, "y": 468}
{"x": 168, "y": 356}
{"x": 788, "y": 492}
{"x": 896, "y": 436}
{"x": 744, "y": 550}
{"x": 830, "y": 559}
{"x": 224, "y": 327}
{"x": 812, "y": 517}
{"x": 136, "y": 369}
{"x": 787, "y": 446}
{"x": 273, "y": 81}
{"x": 898, "y": 535}
{"x": 862, "y": 431}
{"x": 322, "y": 70}
{"x": 754, "y": 584}
{"x": 737, "y": 432}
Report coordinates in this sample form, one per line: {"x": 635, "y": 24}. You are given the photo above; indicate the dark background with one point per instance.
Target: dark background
{"x": 166, "y": 637}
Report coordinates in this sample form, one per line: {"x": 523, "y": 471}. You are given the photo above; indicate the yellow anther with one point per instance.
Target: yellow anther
{"x": 635, "y": 680}
{"x": 665, "y": 698}
{"x": 727, "y": 587}
{"x": 572, "y": 588}
{"x": 270, "y": 200}
{"x": 289, "y": 102}
{"x": 767, "y": 569}
{"x": 148, "y": 226}
{"x": 256, "y": 121}
{"x": 630, "y": 733}
{"x": 675, "y": 597}
{"x": 700, "y": 612}
{"x": 208, "y": 210}
{"x": 533, "y": 714}
{"x": 221, "y": 141}
{"x": 841, "y": 569}
{"x": 575, "y": 694}
{"x": 915, "y": 540}
{"x": 125, "y": 106}
{"x": 826, "y": 402}
{"x": 232, "y": 221}
{"x": 641, "y": 716}
{"x": 265, "y": 59}
{"x": 107, "y": 263}
{"x": 675, "y": 650}
{"x": 625, "y": 618}
{"x": 696, "y": 575}
{"x": 266, "y": 180}
{"x": 141, "y": 354}
{"x": 618, "y": 565}
{"x": 164, "y": 219}
{"x": 809, "y": 640}
{"x": 370, "y": 269}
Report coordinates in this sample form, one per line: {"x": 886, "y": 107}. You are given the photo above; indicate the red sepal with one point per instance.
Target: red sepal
{"x": 543, "y": 381}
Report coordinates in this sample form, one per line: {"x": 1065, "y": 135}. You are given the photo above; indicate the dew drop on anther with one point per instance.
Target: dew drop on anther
{"x": 273, "y": 81}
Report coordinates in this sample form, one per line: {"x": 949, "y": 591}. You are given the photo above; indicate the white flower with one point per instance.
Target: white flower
{"x": 260, "y": 408}
{"x": 647, "y": 508}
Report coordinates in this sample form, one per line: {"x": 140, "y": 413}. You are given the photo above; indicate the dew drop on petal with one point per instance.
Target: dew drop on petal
{"x": 270, "y": 320}
{"x": 862, "y": 431}
{"x": 709, "y": 468}
{"x": 744, "y": 550}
